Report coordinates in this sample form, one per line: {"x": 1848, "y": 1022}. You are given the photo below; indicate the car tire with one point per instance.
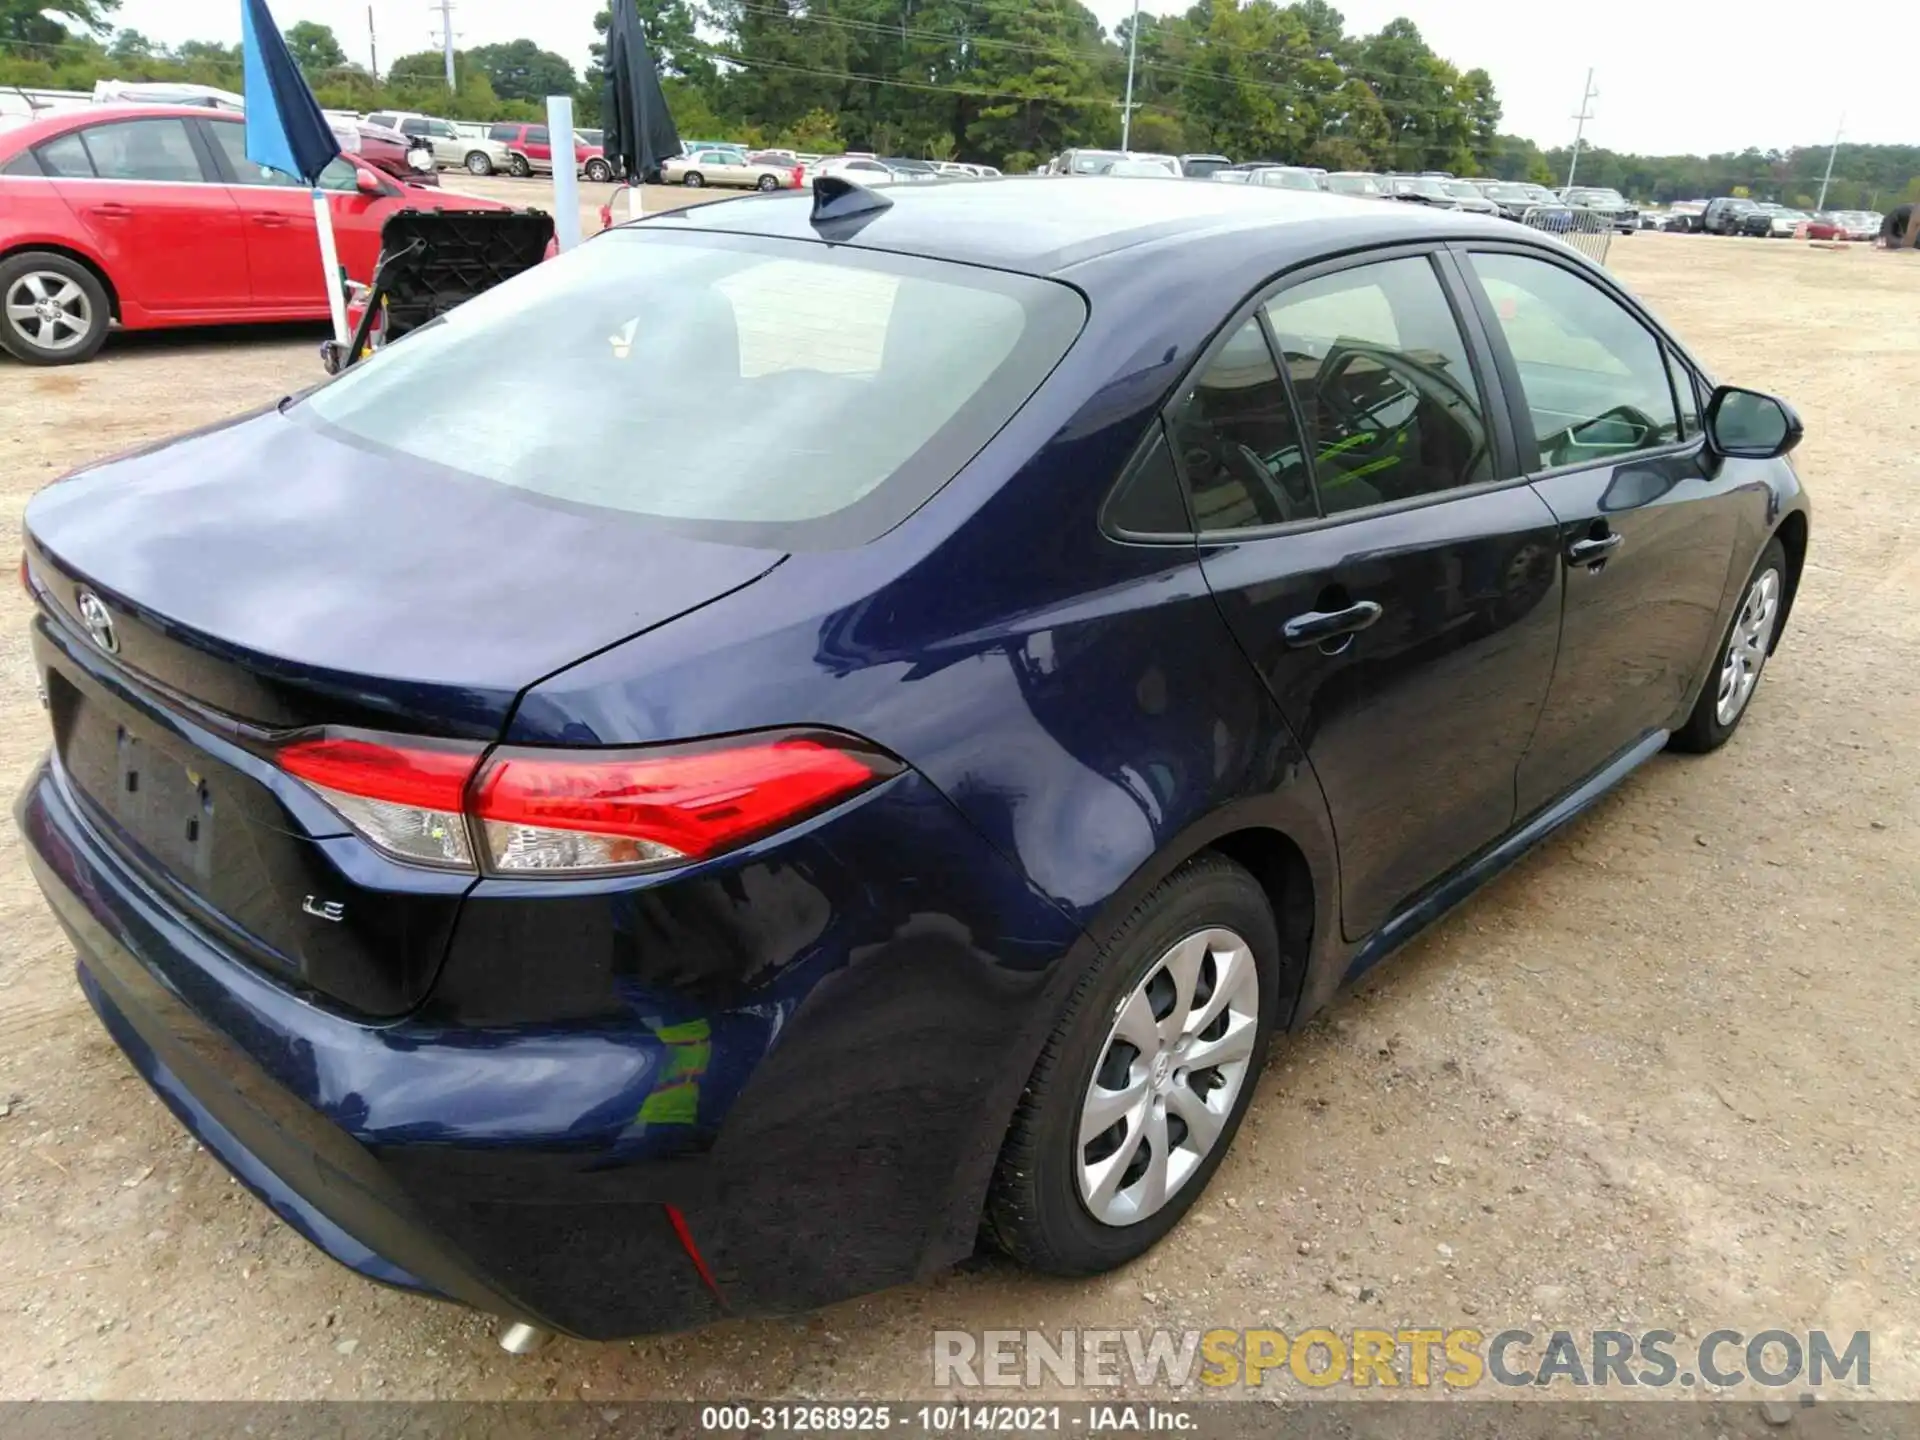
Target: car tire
{"x": 599, "y": 172}
{"x": 519, "y": 167}
{"x": 1738, "y": 664}
{"x": 695, "y": 179}
{"x": 43, "y": 277}
{"x": 766, "y": 183}
{"x": 1047, "y": 1207}
{"x": 479, "y": 163}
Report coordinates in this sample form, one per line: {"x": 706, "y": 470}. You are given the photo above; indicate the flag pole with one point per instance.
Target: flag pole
{"x": 330, "y": 264}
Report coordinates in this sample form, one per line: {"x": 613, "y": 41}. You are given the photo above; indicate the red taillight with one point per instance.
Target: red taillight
{"x": 400, "y": 773}
{"x": 403, "y": 795}
{"x": 574, "y": 810}
{"x": 562, "y": 811}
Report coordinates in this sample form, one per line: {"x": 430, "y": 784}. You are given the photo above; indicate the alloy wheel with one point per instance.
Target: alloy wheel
{"x": 1747, "y": 648}
{"x": 49, "y": 310}
{"x": 1168, "y": 1077}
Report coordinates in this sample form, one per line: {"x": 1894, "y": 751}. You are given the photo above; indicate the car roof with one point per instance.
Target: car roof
{"x": 1042, "y": 225}
{"x": 59, "y": 122}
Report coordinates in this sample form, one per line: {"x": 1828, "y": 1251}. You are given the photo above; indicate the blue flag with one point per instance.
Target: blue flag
{"x": 285, "y": 129}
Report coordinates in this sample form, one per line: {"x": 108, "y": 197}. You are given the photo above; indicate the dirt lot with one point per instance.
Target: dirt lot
{"x": 1659, "y": 1075}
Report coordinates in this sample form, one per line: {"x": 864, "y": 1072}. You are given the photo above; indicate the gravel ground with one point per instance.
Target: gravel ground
{"x": 1658, "y": 1075}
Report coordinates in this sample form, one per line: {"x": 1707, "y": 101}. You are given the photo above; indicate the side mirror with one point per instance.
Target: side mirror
{"x": 367, "y": 183}
{"x": 1748, "y": 425}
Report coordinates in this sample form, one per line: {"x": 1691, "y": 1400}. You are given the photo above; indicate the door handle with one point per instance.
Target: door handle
{"x": 1592, "y": 549}
{"x": 110, "y": 210}
{"x": 1316, "y": 626}
{"x": 271, "y": 222}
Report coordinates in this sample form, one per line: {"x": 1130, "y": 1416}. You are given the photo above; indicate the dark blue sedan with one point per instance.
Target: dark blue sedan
{"x": 814, "y": 729}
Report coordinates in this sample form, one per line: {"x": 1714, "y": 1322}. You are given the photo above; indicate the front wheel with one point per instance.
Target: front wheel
{"x": 478, "y": 163}
{"x": 1741, "y": 657}
{"x": 695, "y": 179}
{"x": 53, "y": 310}
{"x": 599, "y": 171}
{"x": 519, "y": 167}
{"x": 1139, "y": 1090}
{"x": 766, "y": 182}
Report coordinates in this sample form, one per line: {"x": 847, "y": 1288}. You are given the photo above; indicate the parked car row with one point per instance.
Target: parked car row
{"x": 1508, "y": 199}
{"x": 1739, "y": 215}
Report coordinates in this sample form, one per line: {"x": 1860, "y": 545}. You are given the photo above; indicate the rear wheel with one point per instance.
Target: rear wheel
{"x": 479, "y": 163}
{"x": 1139, "y": 1091}
{"x": 518, "y": 166}
{"x": 1741, "y": 657}
{"x": 766, "y": 182}
{"x": 53, "y": 310}
{"x": 696, "y": 179}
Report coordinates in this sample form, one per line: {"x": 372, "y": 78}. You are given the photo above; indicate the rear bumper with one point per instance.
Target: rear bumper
{"x": 549, "y": 1172}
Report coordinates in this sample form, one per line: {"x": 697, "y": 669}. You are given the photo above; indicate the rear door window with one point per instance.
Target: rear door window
{"x": 66, "y": 157}
{"x": 144, "y": 150}
{"x": 1391, "y": 405}
{"x": 786, "y": 393}
{"x": 1237, "y": 442}
{"x": 536, "y": 134}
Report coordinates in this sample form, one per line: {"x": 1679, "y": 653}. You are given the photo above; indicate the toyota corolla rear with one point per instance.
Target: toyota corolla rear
{"x": 507, "y": 999}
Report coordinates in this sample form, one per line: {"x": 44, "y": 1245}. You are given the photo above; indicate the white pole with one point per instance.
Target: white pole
{"x": 1126, "y": 106}
{"x": 1586, "y": 97}
{"x": 566, "y": 185}
{"x": 446, "y": 37}
{"x": 1838, "y": 131}
{"x": 330, "y": 264}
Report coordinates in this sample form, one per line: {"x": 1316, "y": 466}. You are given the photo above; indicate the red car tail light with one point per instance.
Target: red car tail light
{"x": 403, "y": 794}
{"x": 579, "y": 811}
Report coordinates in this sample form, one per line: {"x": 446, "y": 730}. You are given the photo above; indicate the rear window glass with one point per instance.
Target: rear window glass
{"x": 770, "y": 392}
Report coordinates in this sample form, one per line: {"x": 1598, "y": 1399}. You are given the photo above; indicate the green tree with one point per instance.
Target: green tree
{"x": 131, "y": 45}
{"x": 52, "y": 23}
{"x": 314, "y": 47}
{"x": 671, "y": 36}
{"x": 210, "y": 52}
{"x": 521, "y": 70}
{"x": 421, "y": 67}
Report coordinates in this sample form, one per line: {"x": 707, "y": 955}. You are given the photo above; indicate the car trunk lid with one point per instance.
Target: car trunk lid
{"x": 204, "y": 600}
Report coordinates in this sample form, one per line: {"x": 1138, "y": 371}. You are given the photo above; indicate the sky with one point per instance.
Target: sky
{"x": 1674, "y": 76}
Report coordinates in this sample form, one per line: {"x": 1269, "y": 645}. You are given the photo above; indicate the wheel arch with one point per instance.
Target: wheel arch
{"x": 1792, "y": 533}
{"x": 1283, "y": 839}
{"x": 79, "y": 257}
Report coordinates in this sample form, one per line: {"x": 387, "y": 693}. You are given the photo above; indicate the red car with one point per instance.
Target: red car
{"x": 405, "y": 158}
{"x": 153, "y": 216}
{"x": 532, "y": 149}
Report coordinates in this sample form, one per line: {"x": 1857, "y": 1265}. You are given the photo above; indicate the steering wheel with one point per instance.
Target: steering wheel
{"x": 1426, "y": 386}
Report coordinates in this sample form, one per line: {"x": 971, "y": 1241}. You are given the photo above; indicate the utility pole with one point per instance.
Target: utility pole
{"x": 373, "y": 47}
{"x": 445, "y": 7}
{"x": 1839, "y": 130}
{"x": 1126, "y": 106}
{"x": 1580, "y": 126}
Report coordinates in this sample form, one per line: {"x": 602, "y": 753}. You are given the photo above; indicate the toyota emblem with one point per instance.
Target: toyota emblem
{"x": 99, "y": 622}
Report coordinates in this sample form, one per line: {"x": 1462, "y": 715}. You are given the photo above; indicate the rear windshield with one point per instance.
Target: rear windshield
{"x": 771, "y": 392}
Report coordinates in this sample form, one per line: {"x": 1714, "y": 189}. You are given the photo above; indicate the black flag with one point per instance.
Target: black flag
{"x": 640, "y": 136}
